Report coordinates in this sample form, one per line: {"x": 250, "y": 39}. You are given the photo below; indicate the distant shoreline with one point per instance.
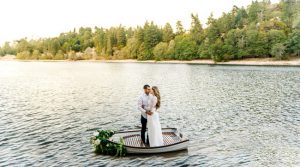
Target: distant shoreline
{"x": 295, "y": 61}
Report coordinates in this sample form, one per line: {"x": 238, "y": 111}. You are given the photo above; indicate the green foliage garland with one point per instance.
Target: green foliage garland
{"x": 103, "y": 146}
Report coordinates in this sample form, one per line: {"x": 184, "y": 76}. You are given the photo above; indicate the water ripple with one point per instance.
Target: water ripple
{"x": 234, "y": 116}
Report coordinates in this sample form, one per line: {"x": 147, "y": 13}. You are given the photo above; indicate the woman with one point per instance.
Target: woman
{"x": 153, "y": 124}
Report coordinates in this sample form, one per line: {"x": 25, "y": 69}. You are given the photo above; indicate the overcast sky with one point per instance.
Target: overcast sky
{"x": 48, "y": 18}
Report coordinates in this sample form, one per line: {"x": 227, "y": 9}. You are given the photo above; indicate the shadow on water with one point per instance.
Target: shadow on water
{"x": 164, "y": 155}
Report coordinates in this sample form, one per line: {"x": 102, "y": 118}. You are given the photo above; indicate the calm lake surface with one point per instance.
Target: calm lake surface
{"x": 233, "y": 115}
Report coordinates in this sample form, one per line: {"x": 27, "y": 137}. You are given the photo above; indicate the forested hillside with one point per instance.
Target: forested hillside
{"x": 260, "y": 30}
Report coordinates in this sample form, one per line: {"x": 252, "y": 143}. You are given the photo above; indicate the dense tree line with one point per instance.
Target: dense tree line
{"x": 260, "y": 30}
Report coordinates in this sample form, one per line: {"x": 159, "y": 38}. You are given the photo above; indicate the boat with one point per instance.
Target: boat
{"x": 173, "y": 141}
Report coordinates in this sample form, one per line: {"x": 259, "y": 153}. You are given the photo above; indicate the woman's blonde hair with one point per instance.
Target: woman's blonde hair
{"x": 157, "y": 94}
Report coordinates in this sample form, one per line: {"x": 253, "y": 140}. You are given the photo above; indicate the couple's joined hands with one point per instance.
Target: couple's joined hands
{"x": 149, "y": 112}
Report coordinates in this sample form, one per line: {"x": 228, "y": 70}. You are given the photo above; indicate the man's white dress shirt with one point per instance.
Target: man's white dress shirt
{"x": 144, "y": 103}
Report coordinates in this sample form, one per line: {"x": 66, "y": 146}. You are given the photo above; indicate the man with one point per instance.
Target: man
{"x": 145, "y": 108}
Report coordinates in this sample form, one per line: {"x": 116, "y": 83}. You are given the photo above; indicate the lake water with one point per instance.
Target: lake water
{"x": 233, "y": 115}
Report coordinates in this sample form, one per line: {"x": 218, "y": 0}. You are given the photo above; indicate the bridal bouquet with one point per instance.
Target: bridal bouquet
{"x": 103, "y": 146}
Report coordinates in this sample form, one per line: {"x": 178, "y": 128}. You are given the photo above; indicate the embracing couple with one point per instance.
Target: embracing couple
{"x": 148, "y": 104}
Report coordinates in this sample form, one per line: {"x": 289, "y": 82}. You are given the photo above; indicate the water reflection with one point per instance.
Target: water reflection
{"x": 234, "y": 116}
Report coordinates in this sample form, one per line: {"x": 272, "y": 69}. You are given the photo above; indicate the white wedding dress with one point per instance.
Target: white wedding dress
{"x": 154, "y": 127}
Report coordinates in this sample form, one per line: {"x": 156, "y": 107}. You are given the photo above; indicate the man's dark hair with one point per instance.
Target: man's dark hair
{"x": 146, "y": 86}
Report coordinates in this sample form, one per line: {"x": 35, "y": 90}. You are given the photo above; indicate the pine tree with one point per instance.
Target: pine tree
{"x": 121, "y": 37}
{"x": 196, "y": 29}
{"x": 168, "y": 34}
{"x": 179, "y": 28}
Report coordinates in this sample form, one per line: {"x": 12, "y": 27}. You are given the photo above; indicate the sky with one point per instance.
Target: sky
{"x": 48, "y": 18}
